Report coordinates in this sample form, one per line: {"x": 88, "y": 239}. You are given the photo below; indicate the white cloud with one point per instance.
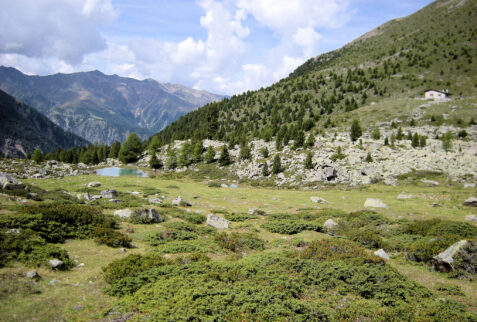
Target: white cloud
{"x": 63, "y": 29}
{"x": 62, "y": 36}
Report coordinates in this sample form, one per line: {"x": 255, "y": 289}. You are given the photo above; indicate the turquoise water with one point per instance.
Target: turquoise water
{"x": 119, "y": 172}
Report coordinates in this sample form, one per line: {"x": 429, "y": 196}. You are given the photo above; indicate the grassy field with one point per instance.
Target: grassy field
{"x": 80, "y": 293}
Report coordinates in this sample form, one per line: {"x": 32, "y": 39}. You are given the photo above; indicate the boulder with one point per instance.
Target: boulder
{"x": 329, "y": 173}
{"x": 180, "y": 202}
{"x": 54, "y": 282}
{"x": 330, "y": 224}
{"x": 14, "y": 231}
{"x": 151, "y": 214}
{"x": 94, "y": 184}
{"x": 8, "y": 182}
{"x": 374, "y": 203}
{"x": 109, "y": 194}
{"x": 256, "y": 212}
{"x": 471, "y": 202}
{"x": 115, "y": 200}
{"x": 33, "y": 275}
{"x": 469, "y": 185}
{"x": 217, "y": 222}
{"x": 381, "y": 253}
{"x": 56, "y": 263}
{"x": 404, "y": 196}
{"x": 318, "y": 200}
{"x": 445, "y": 260}
{"x": 471, "y": 218}
{"x": 84, "y": 196}
{"x": 155, "y": 200}
{"x": 96, "y": 197}
{"x": 430, "y": 182}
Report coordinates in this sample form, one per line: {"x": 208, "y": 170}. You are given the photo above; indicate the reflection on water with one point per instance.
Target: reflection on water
{"x": 119, "y": 172}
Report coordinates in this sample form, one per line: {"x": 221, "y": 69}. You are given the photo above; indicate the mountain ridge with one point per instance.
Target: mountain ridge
{"x": 103, "y": 108}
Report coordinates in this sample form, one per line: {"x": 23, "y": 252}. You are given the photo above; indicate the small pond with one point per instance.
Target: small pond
{"x": 119, "y": 172}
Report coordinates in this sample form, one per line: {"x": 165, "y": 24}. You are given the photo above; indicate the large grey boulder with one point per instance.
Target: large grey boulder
{"x": 33, "y": 275}
{"x": 381, "y": 253}
{"x": 149, "y": 215}
{"x": 180, "y": 202}
{"x": 9, "y": 182}
{"x": 94, "y": 184}
{"x": 471, "y": 202}
{"x": 374, "y": 203}
{"x": 329, "y": 173}
{"x": 318, "y": 200}
{"x": 330, "y": 224}
{"x": 217, "y": 222}
{"x": 56, "y": 263}
{"x": 445, "y": 260}
{"x": 109, "y": 194}
{"x": 84, "y": 196}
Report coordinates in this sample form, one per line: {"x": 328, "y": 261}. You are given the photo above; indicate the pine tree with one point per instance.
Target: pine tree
{"x": 224, "y": 159}
{"x": 210, "y": 155}
{"x": 171, "y": 161}
{"x": 265, "y": 171}
{"x": 422, "y": 141}
{"x": 399, "y": 135}
{"x": 310, "y": 142}
{"x": 447, "y": 141}
{"x": 355, "y": 131}
{"x": 131, "y": 149}
{"x": 386, "y": 141}
{"x": 154, "y": 162}
{"x": 264, "y": 152}
{"x": 185, "y": 157}
{"x": 415, "y": 140}
{"x": 155, "y": 143}
{"x": 369, "y": 158}
{"x": 309, "y": 161}
{"x": 197, "y": 153}
{"x": 299, "y": 140}
{"x": 412, "y": 123}
{"x": 277, "y": 164}
{"x": 245, "y": 152}
{"x": 114, "y": 152}
{"x": 376, "y": 135}
{"x": 37, "y": 156}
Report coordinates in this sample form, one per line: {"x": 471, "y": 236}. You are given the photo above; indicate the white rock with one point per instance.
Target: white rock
{"x": 330, "y": 224}
{"x": 472, "y": 202}
{"x": 430, "y": 182}
{"x": 374, "y": 203}
{"x": 55, "y": 263}
{"x": 217, "y": 222}
{"x": 469, "y": 185}
{"x": 471, "y": 218}
{"x": 94, "y": 184}
{"x": 381, "y": 253}
{"x": 318, "y": 200}
{"x": 404, "y": 196}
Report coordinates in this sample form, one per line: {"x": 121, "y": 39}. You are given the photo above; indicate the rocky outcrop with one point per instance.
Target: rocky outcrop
{"x": 330, "y": 224}
{"x": 109, "y": 194}
{"x": 149, "y": 215}
{"x": 471, "y": 202}
{"x": 181, "y": 202}
{"x": 217, "y": 222}
{"x": 382, "y": 253}
{"x": 9, "y": 182}
{"x": 444, "y": 262}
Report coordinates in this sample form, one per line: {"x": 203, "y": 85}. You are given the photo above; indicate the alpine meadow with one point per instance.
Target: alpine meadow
{"x": 345, "y": 191}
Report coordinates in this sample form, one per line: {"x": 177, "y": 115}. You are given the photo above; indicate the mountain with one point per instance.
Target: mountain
{"x": 432, "y": 48}
{"x": 23, "y": 129}
{"x": 104, "y": 108}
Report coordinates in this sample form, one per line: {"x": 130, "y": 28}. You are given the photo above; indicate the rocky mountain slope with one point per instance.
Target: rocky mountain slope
{"x": 432, "y": 48}
{"x": 104, "y": 108}
{"x": 23, "y": 129}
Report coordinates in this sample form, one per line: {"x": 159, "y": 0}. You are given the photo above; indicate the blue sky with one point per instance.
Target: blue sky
{"x": 223, "y": 46}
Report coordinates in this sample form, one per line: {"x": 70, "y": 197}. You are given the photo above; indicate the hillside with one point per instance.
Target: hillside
{"x": 104, "y": 108}
{"x": 23, "y": 129}
{"x": 432, "y": 48}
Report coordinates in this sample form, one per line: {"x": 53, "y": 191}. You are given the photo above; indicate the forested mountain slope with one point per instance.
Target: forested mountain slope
{"x": 432, "y": 48}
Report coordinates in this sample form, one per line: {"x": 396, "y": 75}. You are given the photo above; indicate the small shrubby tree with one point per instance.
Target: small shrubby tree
{"x": 277, "y": 164}
{"x": 369, "y": 158}
{"x": 245, "y": 152}
{"x": 209, "y": 155}
{"x": 355, "y": 131}
{"x": 415, "y": 140}
{"x": 154, "y": 162}
{"x": 309, "y": 161}
{"x": 37, "y": 156}
{"x": 265, "y": 171}
{"x": 224, "y": 159}
{"x": 376, "y": 135}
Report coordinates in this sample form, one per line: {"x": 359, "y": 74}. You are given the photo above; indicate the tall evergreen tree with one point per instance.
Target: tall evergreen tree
{"x": 114, "y": 151}
{"x": 265, "y": 171}
{"x": 37, "y": 156}
{"x": 245, "y": 152}
{"x": 224, "y": 159}
{"x": 131, "y": 149}
{"x": 355, "y": 131}
{"x": 154, "y": 162}
{"x": 309, "y": 161}
{"x": 277, "y": 164}
{"x": 197, "y": 152}
{"x": 415, "y": 140}
{"x": 209, "y": 155}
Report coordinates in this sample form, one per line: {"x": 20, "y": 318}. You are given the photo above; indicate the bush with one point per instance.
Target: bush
{"x": 290, "y": 227}
{"x": 239, "y": 217}
{"x": 213, "y": 184}
{"x": 439, "y": 228}
{"x": 130, "y": 266}
{"x": 424, "y": 249}
{"x": 367, "y": 238}
{"x": 110, "y": 237}
{"x": 170, "y": 234}
{"x": 238, "y": 242}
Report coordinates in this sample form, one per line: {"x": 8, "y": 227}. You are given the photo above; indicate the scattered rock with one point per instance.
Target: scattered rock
{"x": 374, "y": 203}
{"x": 94, "y": 184}
{"x": 217, "y": 222}
{"x": 180, "y": 202}
{"x": 318, "y": 200}
{"x": 471, "y": 218}
{"x": 109, "y": 194}
{"x": 381, "y": 253}
{"x": 330, "y": 224}
{"x": 223, "y": 185}
{"x": 56, "y": 263}
{"x": 33, "y": 275}
{"x": 8, "y": 182}
{"x": 471, "y": 202}
{"x": 404, "y": 196}
{"x": 155, "y": 200}
{"x": 124, "y": 213}
{"x": 122, "y": 249}
{"x": 80, "y": 265}
{"x": 84, "y": 196}
{"x": 95, "y": 197}
{"x": 150, "y": 213}
{"x": 330, "y": 173}
{"x": 445, "y": 260}
{"x": 469, "y": 185}
{"x": 256, "y": 212}
{"x": 14, "y": 231}
{"x": 430, "y": 182}
{"x": 54, "y": 282}
{"x": 115, "y": 200}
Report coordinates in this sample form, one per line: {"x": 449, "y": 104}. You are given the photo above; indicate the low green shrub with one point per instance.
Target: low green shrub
{"x": 166, "y": 235}
{"x": 465, "y": 261}
{"x": 185, "y": 226}
{"x": 367, "y": 238}
{"x": 290, "y": 227}
{"x": 450, "y": 289}
{"x": 191, "y": 217}
{"x": 239, "y": 217}
{"x": 187, "y": 246}
{"x": 213, "y": 184}
{"x": 110, "y": 237}
{"x": 130, "y": 265}
{"x": 424, "y": 249}
{"x": 236, "y": 242}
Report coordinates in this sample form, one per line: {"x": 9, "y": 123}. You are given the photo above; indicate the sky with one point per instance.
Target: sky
{"x": 222, "y": 46}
